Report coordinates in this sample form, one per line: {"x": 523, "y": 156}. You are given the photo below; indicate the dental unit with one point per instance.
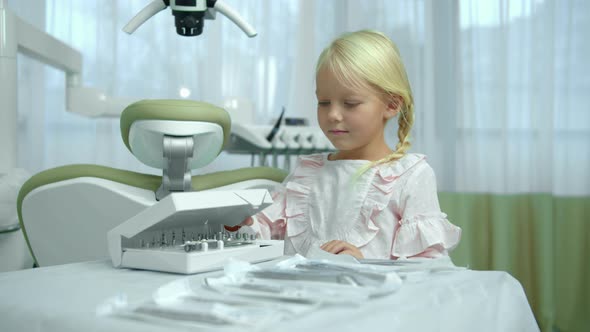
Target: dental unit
{"x": 172, "y": 222}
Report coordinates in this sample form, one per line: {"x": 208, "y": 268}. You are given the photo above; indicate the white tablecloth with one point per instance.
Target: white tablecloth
{"x": 64, "y": 298}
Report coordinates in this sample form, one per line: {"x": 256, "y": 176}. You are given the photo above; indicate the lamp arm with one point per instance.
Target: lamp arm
{"x": 233, "y": 15}
{"x": 145, "y": 14}
{"x": 45, "y": 48}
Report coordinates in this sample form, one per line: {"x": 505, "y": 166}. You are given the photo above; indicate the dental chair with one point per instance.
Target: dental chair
{"x": 66, "y": 212}
{"x": 14, "y": 254}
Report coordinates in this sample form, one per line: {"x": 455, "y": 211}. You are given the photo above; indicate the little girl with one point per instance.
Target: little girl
{"x": 365, "y": 200}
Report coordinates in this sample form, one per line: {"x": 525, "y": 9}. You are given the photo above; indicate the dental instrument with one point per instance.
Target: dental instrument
{"x": 183, "y": 211}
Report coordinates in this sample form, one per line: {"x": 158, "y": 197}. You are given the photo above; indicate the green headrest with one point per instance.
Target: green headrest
{"x": 174, "y": 110}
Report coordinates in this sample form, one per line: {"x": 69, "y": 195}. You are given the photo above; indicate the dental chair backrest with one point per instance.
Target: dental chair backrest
{"x": 14, "y": 254}
{"x": 66, "y": 212}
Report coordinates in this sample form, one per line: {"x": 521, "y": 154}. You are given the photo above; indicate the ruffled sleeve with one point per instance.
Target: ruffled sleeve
{"x": 270, "y": 223}
{"x": 289, "y": 202}
{"x": 423, "y": 229}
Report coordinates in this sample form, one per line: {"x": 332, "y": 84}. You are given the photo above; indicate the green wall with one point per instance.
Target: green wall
{"x": 540, "y": 239}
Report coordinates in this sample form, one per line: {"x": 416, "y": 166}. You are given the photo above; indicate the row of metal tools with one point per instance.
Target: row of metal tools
{"x": 196, "y": 241}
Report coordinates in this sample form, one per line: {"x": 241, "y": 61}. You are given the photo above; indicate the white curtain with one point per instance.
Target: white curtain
{"x": 523, "y": 119}
{"x": 501, "y": 87}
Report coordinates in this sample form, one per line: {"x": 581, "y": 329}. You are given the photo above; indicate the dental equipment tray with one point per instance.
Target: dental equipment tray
{"x": 175, "y": 234}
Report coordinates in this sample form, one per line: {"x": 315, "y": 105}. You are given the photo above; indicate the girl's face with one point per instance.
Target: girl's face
{"x": 353, "y": 120}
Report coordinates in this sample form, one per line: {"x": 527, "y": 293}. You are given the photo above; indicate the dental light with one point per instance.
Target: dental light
{"x": 189, "y": 15}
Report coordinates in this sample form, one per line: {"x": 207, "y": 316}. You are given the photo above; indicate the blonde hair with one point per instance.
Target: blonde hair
{"x": 369, "y": 58}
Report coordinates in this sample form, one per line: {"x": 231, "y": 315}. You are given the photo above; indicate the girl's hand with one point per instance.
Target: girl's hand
{"x": 247, "y": 222}
{"x": 340, "y": 247}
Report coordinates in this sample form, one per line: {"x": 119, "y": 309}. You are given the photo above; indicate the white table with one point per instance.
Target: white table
{"x": 64, "y": 298}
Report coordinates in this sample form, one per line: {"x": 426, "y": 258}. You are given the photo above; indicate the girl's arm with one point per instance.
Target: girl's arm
{"x": 266, "y": 229}
{"x": 270, "y": 222}
{"x": 424, "y": 230}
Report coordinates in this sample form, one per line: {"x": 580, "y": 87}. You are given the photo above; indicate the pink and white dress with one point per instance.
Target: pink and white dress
{"x": 390, "y": 211}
